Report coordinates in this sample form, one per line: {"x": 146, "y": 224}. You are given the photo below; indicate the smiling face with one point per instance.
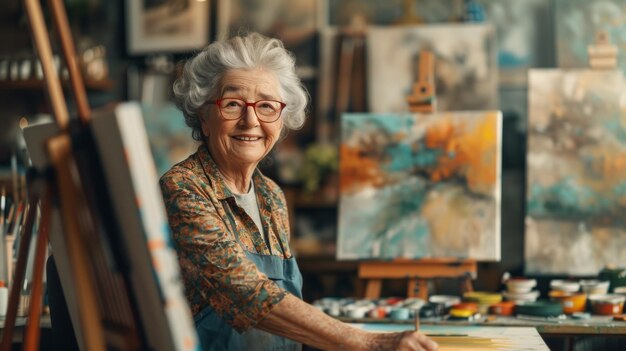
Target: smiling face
{"x": 238, "y": 145}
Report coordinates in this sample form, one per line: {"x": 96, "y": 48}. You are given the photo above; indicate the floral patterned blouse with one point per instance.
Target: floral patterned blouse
{"x": 205, "y": 218}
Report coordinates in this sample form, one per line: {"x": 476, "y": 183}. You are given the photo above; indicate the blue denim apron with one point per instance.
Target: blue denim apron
{"x": 215, "y": 334}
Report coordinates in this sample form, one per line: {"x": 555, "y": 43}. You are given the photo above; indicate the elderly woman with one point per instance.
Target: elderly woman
{"x": 230, "y": 222}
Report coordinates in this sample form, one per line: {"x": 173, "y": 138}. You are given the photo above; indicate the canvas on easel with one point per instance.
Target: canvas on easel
{"x": 132, "y": 181}
{"x": 577, "y": 21}
{"x": 420, "y": 186}
{"x": 466, "y": 71}
{"x": 576, "y": 172}
{"x": 394, "y": 166}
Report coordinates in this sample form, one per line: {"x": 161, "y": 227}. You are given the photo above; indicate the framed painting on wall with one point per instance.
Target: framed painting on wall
{"x": 157, "y": 26}
{"x": 418, "y": 186}
{"x": 576, "y": 172}
{"x": 292, "y": 21}
{"x": 392, "y": 12}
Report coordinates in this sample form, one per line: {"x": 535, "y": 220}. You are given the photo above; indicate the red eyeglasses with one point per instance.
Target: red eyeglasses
{"x": 267, "y": 111}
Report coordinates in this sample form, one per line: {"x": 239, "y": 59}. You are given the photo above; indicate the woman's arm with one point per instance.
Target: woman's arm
{"x": 297, "y": 320}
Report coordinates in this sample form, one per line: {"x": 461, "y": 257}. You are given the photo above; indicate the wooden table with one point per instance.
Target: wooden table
{"x": 596, "y": 325}
{"x": 596, "y": 333}
{"x": 472, "y": 337}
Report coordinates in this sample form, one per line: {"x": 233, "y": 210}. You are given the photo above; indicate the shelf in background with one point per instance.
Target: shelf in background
{"x": 36, "y": 84}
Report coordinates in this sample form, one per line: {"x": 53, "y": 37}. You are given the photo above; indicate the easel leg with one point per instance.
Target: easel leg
{"x": 418, "y": 288}
{"x": 31, "y": 342}
{"x": 344, "y": 77}
{"x": 59, "y": 149}
{"x": 20, "y": 271}
{"x": 466, "y": 284}
{"x": 373, "y": 288}
{"x": 411, "y": 289}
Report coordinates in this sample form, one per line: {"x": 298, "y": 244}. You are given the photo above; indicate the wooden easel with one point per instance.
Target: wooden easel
{"x": 418, "y": 272}
{"x": 89, "y": 267}
{"x": 602, "y": 54}
{"x": 351, "y": 67}
{"x": 423, "y": 98}
{"x": 121, "y": 295}
{"x": 350, "y": 78}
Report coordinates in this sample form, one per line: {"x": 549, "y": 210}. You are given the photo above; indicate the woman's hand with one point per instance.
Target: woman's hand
{"x": 403, "y": 341}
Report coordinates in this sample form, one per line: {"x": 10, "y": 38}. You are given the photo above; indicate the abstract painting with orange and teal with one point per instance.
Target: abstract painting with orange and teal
{"x": 576, "y": 164}
{"x": 420, "y": 186}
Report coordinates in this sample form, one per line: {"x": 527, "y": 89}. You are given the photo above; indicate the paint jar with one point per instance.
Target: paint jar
{"x": 358, "y": 309}
{"x": 458, "y": 314}
{"x": 391, "y": 301}
{"x": 482, "y": 299}
{"x": 378, "y": 313}
{"x": 330, "y": 305}
{"x": 520, "y": 285}
{"x": 539, "y": 308}
{"x": 503, "y": 308}
{"x": 399, "y": 313}
{"x": 446, "y": 300}
{"x": 594, "y": 287}
{"x": 413, "y": 303}
{"x": 467, "y": 306}
{"x": 564, "y": 285}
{"x": 433, "y": 310}
{"x": 572, "y": 302}
{"x": 521, "y": 297}
{"x": 334, "y": 310}
{"x": 356, "y": 312}
{"x": 607, "y": 305}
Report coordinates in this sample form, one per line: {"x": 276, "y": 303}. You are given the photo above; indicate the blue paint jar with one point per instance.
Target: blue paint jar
{"x": 399, "y": 313}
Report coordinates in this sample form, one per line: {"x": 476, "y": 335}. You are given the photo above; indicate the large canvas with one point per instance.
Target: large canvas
{"x": 576, "y": 24}
{"x": 416, "y": 186}
{"x": 576, "y": 164}
{"x": 465, "y": 66}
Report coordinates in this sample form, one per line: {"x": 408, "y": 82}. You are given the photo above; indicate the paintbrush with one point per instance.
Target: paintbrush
{"x": 417, "y": 312}
{"x": 2, "y": 208}
{"x": 417, "y": 321}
